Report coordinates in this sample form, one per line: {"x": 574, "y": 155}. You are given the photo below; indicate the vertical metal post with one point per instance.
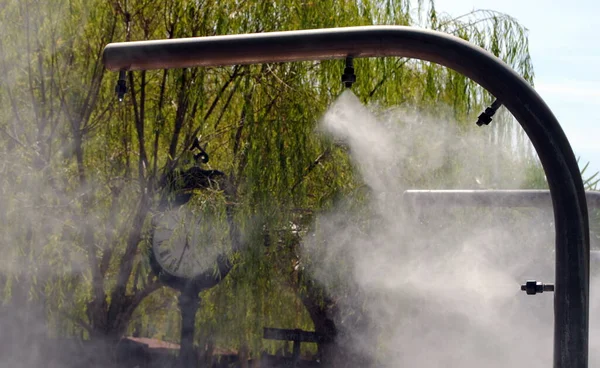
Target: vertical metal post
{"x": 296, "y": 352}
{"x": 189, "y": 301}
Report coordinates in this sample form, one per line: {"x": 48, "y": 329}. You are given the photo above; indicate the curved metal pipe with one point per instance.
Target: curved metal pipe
{"x": 571, "y": 303}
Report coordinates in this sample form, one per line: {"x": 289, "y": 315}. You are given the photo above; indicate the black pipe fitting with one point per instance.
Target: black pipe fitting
{"x": 121, "y": 87}
{"x": 348, "y": 78}
{"x": 532, "y": 287}
{"x": 486, "y": 117}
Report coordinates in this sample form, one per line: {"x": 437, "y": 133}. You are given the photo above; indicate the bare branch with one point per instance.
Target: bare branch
{"x": 399, "y": 64}
{"x": 311, "y": 167}
{"x": 232, "y": 77}
{"x": 78, "y": 321}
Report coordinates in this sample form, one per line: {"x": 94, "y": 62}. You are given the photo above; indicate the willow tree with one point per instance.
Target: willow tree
{"x": 89, "y": 168}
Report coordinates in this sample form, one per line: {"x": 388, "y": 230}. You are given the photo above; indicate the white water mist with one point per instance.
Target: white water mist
{"x": 439, "y": 287}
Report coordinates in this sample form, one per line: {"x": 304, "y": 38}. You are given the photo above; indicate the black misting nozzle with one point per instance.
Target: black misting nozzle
{"x": 121, "y": 87}
{"x": 486, "y": 117}
{"x": 348, "y": 78}
{"x": 532, "y": 287}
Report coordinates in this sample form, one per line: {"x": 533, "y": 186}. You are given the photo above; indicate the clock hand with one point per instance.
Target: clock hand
{"x": 186, "y": 246}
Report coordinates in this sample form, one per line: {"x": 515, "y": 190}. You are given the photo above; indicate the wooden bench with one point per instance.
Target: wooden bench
{"x": 297, "y": 336}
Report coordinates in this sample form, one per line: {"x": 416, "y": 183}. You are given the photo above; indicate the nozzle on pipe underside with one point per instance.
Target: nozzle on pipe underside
{"x": 348, "y": 78}
{"x": 121, "y": 87}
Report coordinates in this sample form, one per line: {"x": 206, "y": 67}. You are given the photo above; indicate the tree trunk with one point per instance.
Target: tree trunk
{"x": 336, "y": 350}
{"x": 322, "y": 311}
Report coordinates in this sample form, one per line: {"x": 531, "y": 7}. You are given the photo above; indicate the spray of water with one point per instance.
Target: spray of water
{"x": 426, "y": 287}
{"x": 437, "y": 286}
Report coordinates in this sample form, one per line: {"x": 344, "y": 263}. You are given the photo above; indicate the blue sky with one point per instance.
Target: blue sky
{"x": 565, "y": 48}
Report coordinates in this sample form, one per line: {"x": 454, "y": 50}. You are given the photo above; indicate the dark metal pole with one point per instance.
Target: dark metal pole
{"x": 189, "y": 301}
{"x": 514, "y": 198}
{"x": 571, "y": 302}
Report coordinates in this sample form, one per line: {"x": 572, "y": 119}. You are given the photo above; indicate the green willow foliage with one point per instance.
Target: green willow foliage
{"x": 80, "y": 172}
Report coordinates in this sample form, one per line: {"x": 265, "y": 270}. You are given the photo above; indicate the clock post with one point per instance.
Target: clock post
{"x": 172, "y": 255}
{"x": 189, "y": 302}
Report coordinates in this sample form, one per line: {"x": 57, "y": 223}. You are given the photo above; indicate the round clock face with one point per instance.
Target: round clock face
{"x": 182, "y": 244}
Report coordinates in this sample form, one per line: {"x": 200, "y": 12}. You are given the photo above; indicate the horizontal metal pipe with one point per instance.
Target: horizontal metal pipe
{"x": 271, "y": 47}
{"x": 571, "y": 307}
{"x": 515, "y": 198}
